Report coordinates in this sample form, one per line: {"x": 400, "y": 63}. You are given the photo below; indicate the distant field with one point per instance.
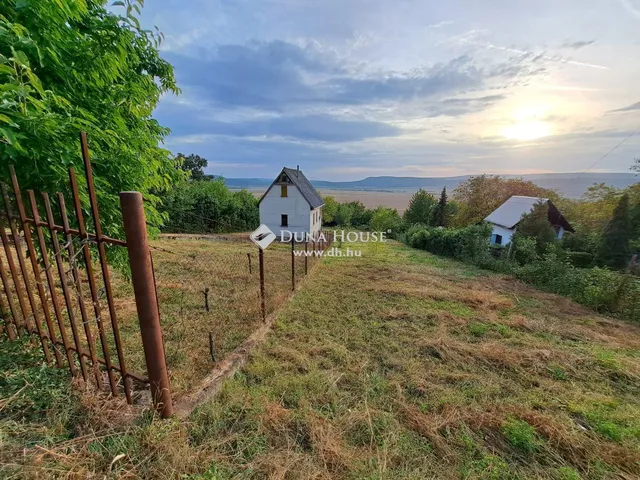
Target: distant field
{"x": 370, "y": 199}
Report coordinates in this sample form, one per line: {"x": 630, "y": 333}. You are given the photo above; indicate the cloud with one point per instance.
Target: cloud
{"x": 629, "y": 108}
{"x": 277, "y": 76}
{"x": 577, "y": 45}
{"x": 320, "y": 128}
{"x": 455, "y": 107}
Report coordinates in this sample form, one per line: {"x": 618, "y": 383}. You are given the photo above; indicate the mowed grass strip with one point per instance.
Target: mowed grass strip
{"x": 184, "y": 269}
{"x": 400, "y": 364}
{"x": 397, "y": 364}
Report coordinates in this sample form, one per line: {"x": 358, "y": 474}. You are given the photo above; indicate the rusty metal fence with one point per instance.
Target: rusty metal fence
{"x": 72, "y": 326}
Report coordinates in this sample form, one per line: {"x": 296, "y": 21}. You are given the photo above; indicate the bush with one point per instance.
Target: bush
{"x": 524, "y": 249}
{"x": 387, "y": 220}
{"x": 470, "y": 244}
{"x": 601, "y": 289}
{"x": 581, "y": 242}
{"x": 580, "y": 259}
{"x": 210, "y": 207}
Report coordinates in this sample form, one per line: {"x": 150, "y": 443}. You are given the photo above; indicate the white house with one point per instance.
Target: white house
{"x": 291, "y": 203}
{"x": 506, "y": 217}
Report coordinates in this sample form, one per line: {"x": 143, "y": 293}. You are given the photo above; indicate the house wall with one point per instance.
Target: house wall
{"x": 294, "y": 205}
{"x": 315, "y": 219}
{"x": 506, "y": 233}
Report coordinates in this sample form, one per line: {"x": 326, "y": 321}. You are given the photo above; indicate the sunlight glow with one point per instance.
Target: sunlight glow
{"x": 530, "y": 130}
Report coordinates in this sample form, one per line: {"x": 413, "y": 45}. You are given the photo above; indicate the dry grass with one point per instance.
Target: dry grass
{"x": 184, "y": 268}
{"x": 401, "y": 365}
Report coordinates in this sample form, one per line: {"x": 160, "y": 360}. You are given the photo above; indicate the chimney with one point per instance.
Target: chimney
{"x": 297, "y": 170}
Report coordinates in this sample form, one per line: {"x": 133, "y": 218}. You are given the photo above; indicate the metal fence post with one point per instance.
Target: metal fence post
{"x": 263, "y": 308}
{"x": 306, "y": 256}
{"x": 135, "y": 228}
{"x": 293, "y": 266}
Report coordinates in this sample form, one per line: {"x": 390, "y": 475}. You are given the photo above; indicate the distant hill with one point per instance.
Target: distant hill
{"x": 571, "y": 185}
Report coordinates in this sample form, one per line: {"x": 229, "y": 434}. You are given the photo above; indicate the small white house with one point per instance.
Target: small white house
{"x": 506, "y": 217}
{"x": 291, "y": 203}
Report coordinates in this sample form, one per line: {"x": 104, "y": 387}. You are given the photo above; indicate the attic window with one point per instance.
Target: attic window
{"x": 283, "y": 191}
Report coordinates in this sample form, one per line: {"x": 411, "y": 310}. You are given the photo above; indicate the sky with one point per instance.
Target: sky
{"x": 354, "y": 88}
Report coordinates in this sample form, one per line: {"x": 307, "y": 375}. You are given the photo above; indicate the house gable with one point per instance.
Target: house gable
{"x": 508, "y": 214}
{"x": 290, "y": 176}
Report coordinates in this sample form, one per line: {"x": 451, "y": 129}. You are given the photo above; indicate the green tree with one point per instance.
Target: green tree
{"x": 420, "y": 208}
{"x": 329, "y": 210}
{"x": 73, "y": 65}
{"x": 344, "y": 213}
{"x": 480, "y": 195}
{"x": 441, "y": 210}
{"x": 614, "y": 245}
{"x": 193, "y": 164}
{"x": 535, "y": 224}
{"x": 209, "y": 207}
{"x": 387, "y": 220}
{"x": 361, "y": 215}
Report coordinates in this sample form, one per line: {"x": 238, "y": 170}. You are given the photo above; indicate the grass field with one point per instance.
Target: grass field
{"x": 398, "y": 364}
{"x": 184, "y": 269}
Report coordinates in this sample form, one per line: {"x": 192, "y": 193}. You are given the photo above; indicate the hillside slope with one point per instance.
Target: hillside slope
{"x": 397, "y": 364}
{"x": 571, "y": 185}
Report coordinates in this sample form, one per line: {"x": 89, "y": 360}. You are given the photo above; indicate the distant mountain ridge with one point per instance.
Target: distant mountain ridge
{"x": 572, "y": 185}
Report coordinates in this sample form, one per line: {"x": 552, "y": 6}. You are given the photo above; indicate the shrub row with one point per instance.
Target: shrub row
{"x": 469, "y": 244}
{"x": 603, "y": 290}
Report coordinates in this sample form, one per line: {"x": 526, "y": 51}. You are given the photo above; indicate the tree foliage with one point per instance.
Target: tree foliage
{"x": 614, "y": 245}
{"x": 73, "y": 65}
{"x": 441, "y": 211}
{"x": 480, "y": 195}
{"x": 209, "y": 207}
{"x": 329, "y": 210}
{"x": 387, "y": 220}
{"x": 535, "y": 224}
{"x": 419, "y": 210}
{"x": 193, "y": 164}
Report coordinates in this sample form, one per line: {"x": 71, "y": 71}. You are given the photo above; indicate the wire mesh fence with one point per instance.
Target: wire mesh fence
{"x": 209, "y": 289}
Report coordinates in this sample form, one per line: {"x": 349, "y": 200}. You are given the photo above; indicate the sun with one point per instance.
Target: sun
{"x": 526, "y": 130}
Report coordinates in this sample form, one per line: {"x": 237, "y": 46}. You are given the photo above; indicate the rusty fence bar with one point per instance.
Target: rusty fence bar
{"x": 51, "y": 283}
{"x": 93, "y": 288}
{"x": 7, "y": 285}
{"x": 78, "y": 285}
{"x": 58, "y": 270}
{"x": 57, "y": 253}
{"x": 36, "y": 270}
{"x": 135, "y": 228}
{"x": 93, "y": 200}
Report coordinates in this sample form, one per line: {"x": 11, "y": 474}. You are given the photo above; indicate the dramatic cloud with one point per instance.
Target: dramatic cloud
{"x": 629, "y": 108}
{"x": 279, "y": 76}
{"x": 358, "y": 87}
{"x": 577, "y": 45}
{"x": 322, "y": 128}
